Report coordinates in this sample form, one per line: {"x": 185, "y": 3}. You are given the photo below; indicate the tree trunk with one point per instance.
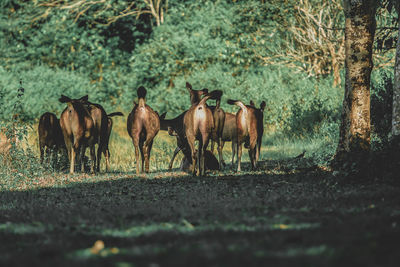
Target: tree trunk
{"x": 355, "y": 139}
{"x": 396, "y": 89}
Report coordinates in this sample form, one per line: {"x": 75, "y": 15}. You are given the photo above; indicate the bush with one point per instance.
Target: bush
{"x": 210, "y": 44}
{"x": 213, "y": 45}
{"x": 43, "y": 87}
{"x": 295, "y": 104}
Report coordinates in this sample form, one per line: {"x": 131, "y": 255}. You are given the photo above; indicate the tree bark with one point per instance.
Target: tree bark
{"x": 396, "y": 89}
{"x": 355, "y": 129}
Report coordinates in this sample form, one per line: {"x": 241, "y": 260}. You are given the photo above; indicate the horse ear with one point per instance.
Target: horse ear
{"x": 262, "y": 106}
{"x": 162, "y": 117}
{"x": 252, "y": 103}
{"x": 216, "y": 94}
{"x": 64, "y": 99}
{"x": 189, "y": 86}
{"x": 84, "y": 98}
{"x": 141, "y": 92}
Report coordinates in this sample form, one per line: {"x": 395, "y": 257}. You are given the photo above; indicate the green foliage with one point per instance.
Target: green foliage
{"x": 217, "y": 45}
{"x": 43, "y": 86}
{"x": 295, "y": 104}
{"x": 199, "y": 35}
{"x": 17, "y": 163}
{"x": 381, "y": 108}
{"x": 57, "y": 40}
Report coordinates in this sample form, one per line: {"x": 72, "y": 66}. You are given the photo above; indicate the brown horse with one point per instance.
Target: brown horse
{"x": 175, "y": 126}
{"x": 229, "y": 133}
{"x": 143, "y": 125}
{"x": 79, "y": 131}
{"x": 198, "y": 123}
{"x": 195, "y": 95}
{"x": 51, "y": 139}
{"x": 249, "y": 121}
{"x": 218, "y": 118}
{"x": 217, "y": 131}
{"x": 100, "y": 120}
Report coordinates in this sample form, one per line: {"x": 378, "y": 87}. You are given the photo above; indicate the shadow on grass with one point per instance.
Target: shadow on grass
{"x": 282, "y": 218}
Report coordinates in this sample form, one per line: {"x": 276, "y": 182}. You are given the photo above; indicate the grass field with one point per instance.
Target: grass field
{"x": 123, "y": 156}
{"x": 289, "y": 212}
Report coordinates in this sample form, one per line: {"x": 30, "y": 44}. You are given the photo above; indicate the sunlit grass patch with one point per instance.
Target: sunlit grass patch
{"x": 282, "y": 148}
{"x": 122, "y": 151}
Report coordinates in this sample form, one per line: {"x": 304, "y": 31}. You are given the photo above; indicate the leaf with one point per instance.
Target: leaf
{"x": 97, "y": 247}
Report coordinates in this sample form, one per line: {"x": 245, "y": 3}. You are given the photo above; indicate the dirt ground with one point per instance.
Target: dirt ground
{"x": 275, "y": 217}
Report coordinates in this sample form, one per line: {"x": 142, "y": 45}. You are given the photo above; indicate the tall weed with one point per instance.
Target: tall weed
{"x": 19, "y": 162}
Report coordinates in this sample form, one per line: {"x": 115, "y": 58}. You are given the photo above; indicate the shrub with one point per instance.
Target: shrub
{"x": 43, "y": 86}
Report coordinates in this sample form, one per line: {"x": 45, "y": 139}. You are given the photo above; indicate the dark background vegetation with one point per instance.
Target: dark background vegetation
{"x": 248, "y": 49}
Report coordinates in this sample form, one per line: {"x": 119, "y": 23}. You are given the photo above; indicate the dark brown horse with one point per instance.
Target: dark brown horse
{"x": 79, "y": 131}
{"x": 210, "y": 162}
{"x": 143, "y": 125}
{"x": 175, "y": 128}
{"x": 51, "y": 139}
{"x": 100, "y": 121}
